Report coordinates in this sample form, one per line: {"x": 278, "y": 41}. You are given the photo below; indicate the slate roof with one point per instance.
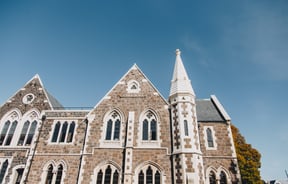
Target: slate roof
{"x": 54, "y": 102}
{"x": 207, "y": 111}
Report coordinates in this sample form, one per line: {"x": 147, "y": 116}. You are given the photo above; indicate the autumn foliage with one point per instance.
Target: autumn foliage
{"x": 248, "y": 159}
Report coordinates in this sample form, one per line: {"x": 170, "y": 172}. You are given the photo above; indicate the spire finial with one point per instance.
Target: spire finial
{"x": 178, "y": 52}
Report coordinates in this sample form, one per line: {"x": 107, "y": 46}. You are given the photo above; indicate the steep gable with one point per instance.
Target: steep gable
{"x": 31, "y": 95}
{"x": 133, "y": 84}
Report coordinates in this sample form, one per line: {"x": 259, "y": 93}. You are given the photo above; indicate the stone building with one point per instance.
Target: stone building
{"x": 133, "y": 135}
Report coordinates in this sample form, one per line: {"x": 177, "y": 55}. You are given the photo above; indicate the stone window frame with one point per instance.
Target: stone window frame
{"x": 118, "y": 143}
{"x": 213, "y": 137}
{"x": 102, "y": 167}
{"x": 154, "y": 167}
{"x": 149, "y": 143}
{"x": 69, "y": 124}
{"x": 133, "y": 86}
{"x": 55, "y": 166}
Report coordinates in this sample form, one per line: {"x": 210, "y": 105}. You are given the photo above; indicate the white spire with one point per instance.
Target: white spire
{"x": 180, "y": 82}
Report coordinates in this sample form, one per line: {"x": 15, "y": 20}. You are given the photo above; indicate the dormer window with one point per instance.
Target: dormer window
{"x": 133, "y": 87}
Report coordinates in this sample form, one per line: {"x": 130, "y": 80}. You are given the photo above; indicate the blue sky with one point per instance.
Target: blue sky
{"x": 237, "y": 50}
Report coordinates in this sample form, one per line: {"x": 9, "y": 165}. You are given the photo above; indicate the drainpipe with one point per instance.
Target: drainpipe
{"x": 82, "y": 151}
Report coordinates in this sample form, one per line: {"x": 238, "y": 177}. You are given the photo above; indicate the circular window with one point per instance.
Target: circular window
{"x": 27, "y": 99}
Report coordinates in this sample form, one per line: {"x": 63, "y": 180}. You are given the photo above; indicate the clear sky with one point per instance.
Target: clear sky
{"x": 237, "y": 50}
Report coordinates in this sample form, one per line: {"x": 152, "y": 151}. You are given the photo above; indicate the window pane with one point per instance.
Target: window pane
{"x": 209, "y": 137}
{"x": 71, "y": 132}
{"x": 115, "y": 177}
{"x": 99, "y": 177}
{"x": 223, "y": 178}
{"x": 149, "y": 176}
{"x": 4, "y": 132}
{"x": 117, "y": 130}
{"x": 107, "y": 178}
{"x": 153, "y": 130}
{"x": 23, "y": 133}
{"x": 11, "y": 133}
{"x": 141, "y": 178}
{"x": 3, "y": 170}
{"x": 186, "y": 128}
{"x": 157, "y": 178}
{"x": 49, "y": 176}
{"x": 56, "y": 132}
{"x": 31, "y": 133}
{"x": 63, "y": 132}
{"x": 145, "y": 130}
{"x": 109, "y": 130}
{"x": 19, "y": 175}
{"x": 212, "y": 178}
{"x": 59, "y": 175}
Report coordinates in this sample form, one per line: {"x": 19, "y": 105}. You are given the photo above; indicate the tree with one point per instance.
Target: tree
{"x": 248, "y": 159}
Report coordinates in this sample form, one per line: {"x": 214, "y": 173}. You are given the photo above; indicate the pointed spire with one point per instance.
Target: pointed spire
{"x": 180, "y": 82}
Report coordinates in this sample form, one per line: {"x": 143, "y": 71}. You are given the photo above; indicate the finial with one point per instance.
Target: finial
{"x": 178, "y": 52}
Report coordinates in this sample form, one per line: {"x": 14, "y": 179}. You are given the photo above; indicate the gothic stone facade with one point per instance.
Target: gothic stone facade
{"x": 133, "y": 135}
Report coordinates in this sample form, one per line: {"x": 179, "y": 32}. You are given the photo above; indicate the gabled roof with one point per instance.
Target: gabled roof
{"x": 53, "y": 103}
{"x": 134, "y": 67}
{"x": 210, "y": 110}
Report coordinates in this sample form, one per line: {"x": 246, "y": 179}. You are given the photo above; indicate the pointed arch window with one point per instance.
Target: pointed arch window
{"x": 26, "y": 139}
{"x": 111, "y": 175}
{"x": 19, "y": 175}
{"x": 149, "y": 127}
{"x": 63, "y": 132}
{"x": 223, "y": 178}
{"x": 4, "y": 132}
{"x": 149, "y": 175}
{"x": 59, "y": 174}
{"x": 113, "y": 126}
{"x": 49, "y": 176}
{"x": 3, "y": 170}
{"x": 210, "y": 138}
{"x": 11, "y": 133}
{"x": 212, "y": 178}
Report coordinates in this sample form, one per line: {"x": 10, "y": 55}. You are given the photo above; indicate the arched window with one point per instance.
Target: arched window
{"x": 19, "y": 174}
{"x": 23, "y": 133}
{"x": 111, "y": 175}
{"x": 149, "y": 127}
{"x": 212, "y": 178}
{"x": 186, "y": 132}
{"x": 3, "y": 170}
{"x": 149, "y": 175}
{"x": 63, "y": 132}
{"x": 209, "y": 138}
{"x": 99, "y": 177}
{"x": 11, "y": 133}
{"x": 113, "y": 126}
{"x": 141, "y": 178}
{"x": 115, "y": 177}
{"x": 4, "y": 132}
{"x": 31, "y": 133}
{"x": 59, "y": 174}
{"x": 223, "y": 178}
{"x": 49, "y": 176}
